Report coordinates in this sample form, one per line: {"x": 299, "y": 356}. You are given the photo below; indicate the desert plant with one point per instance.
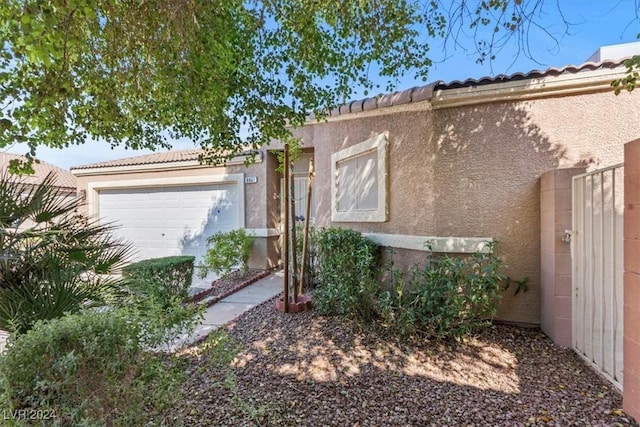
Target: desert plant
{"x": 346, "y": 273}
{"x": 163, "y": 323}
{"x": 52, "y": 259}
{"x": 87, "y": 369}
{"x": 447, "y": 297}
{"x": 226, "y": 251}
{"x": 161, "y": 278}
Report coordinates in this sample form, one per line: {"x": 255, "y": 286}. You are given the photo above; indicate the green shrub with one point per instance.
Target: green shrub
{"x": 448, "y": 297}
{"x": 163, "y": 323}
{"x": 227, "y": 250}
{"x": 161, "y": 278}
{"x": 347, "y": 272}
{"x": 87, "y": 369}
{"x": 159, "y": 287}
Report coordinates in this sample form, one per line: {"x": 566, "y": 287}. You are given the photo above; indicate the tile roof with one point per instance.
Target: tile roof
{"x": 64, "y": 178}
{"x": 423, "y": 93}
{"x": 164, "y": 157}
{"x": 147, "y": 159}
{"x": 534, "y": 74}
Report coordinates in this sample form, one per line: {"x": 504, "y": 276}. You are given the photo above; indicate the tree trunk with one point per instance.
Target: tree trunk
{"x": 285, "y": 242}
{"x": 294, "y": 246}
{"x": 305, "y": 239}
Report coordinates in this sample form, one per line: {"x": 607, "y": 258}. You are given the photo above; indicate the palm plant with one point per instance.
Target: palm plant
{"x": 53, "y": 260}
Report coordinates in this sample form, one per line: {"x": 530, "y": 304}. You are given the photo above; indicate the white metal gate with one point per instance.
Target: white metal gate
{"x": 597, "y": 262}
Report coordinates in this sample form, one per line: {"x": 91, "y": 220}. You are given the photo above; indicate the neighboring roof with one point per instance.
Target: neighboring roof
{"x": 64, "y": 179}
{"x": 147, "y": 159}
{"x": 615, "y": 51}
{"x": 425, "y": 93}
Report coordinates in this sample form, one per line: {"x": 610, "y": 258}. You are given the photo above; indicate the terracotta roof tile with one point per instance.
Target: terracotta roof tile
{"x": 369, "y": 104}
{"x": 424, "y": 93}
{"x": 64, "y": 178}
{"x": 534, "y": 74}
{"x": 174, "y": 156}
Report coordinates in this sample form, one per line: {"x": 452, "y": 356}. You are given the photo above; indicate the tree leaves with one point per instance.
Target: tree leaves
{"x": 630, "y": 80}
{"x": 228, "y": 75}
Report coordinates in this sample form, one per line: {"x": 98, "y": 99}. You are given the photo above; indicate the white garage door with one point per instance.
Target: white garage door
{"x": 166, "y": 221}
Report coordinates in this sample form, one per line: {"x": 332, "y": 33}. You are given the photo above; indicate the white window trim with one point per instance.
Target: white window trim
{"x": 379, "y": 143}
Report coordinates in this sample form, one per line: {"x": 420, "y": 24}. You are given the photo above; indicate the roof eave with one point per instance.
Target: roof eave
{"x": 558, "y": 85}
{"x": 160, "y": 166}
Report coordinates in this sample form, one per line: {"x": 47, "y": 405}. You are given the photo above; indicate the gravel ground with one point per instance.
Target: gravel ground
{"x": 307, "y": 370}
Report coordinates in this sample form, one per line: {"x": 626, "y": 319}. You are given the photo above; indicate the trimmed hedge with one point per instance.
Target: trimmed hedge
{"x": 347, "y": 273}
{"x": 162, "y": 278}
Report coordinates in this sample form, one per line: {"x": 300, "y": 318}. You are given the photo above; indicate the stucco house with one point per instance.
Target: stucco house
{"x": 455, "y": 163}
{"x": 506, "y": 158}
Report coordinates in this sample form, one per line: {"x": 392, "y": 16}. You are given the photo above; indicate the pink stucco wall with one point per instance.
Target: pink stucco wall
{"x": 631, "y": 399}
{"x": 475, "y": 171}
{"x": 555, "y": 255}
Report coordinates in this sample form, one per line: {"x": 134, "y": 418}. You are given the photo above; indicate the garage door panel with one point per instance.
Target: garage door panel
{"x": 171, "y": 220}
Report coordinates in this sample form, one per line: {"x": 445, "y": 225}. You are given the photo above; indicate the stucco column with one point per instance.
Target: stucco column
{"x": 555, "y": 254}
{"x": 265, "y": 252}
{"x": 631, "y": 393}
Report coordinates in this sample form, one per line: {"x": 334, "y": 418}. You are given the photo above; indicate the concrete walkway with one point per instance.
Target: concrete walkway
{"x": 231, "y": 307}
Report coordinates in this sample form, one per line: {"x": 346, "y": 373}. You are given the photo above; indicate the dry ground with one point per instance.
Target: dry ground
{"x": 307, "y": 370}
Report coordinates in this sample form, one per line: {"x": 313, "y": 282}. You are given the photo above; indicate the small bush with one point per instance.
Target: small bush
{"x": 448, "y": 297}
{"x": 227, "y": 250}
{"x": 161, "y": 278}
{"x": 346, "y": 273}
{"x": 87, "y": 369}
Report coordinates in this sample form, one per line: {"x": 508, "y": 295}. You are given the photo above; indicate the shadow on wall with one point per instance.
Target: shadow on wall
{"x": 488, "y": 161}
{"x": 465, "y": 172}
{"x": 222, "y": 216}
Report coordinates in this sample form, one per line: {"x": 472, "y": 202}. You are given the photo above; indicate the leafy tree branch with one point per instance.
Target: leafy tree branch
{"x": 227, "y": 74}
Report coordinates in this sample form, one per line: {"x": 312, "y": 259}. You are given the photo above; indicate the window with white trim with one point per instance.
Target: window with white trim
{"x": 359, "y": 182}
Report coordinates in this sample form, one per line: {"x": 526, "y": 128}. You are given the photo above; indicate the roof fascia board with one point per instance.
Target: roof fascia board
{"x": 565, "y": 84}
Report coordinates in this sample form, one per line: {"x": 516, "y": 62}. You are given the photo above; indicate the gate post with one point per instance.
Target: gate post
{"x": 555, "y": 254}
{"x": 631, "y": 392}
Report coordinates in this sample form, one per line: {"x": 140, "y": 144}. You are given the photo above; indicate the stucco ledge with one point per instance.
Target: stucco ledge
{"x": 461, "y": 245}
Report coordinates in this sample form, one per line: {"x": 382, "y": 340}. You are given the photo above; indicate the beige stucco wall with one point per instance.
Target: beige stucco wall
{"x": 265, "y": 252}
{"x": 475, "y": 171}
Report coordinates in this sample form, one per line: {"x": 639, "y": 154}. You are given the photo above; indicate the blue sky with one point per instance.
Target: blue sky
{"x": 592, "y": 23}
